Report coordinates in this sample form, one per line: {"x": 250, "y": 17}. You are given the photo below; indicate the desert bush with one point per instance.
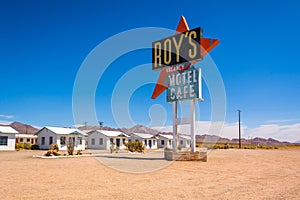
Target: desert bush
{"x": 35, "y": 147}
{"x": 70, "y": 147}
{"x": 19, "y": 146}
{"x": 55, "y": 147}
{"x": 136, "y": 146}
{"x": 53, "y": 150}
{"x": 78, "y": 152}
{"x": 49, "y": 152}
{"x": 112, "y": 147}
{"x": 27, "y": 146}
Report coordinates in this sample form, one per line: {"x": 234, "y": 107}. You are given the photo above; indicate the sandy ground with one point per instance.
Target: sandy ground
{"x": 228, "y": 174}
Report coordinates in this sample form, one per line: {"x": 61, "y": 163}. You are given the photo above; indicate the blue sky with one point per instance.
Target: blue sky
{"x": 43, "y": 44}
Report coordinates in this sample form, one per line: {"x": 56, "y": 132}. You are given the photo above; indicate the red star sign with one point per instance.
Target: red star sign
{"x": 206, "y": 46}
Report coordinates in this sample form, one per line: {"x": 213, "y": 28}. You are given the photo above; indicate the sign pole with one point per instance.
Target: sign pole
{"x": 192, "y": 118}
{"x": 175, "y": 130}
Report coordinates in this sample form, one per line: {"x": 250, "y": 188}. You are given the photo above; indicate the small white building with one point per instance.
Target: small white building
{"x": 184, "y": 141}
{"x": 102, "y": 139}
{"x": 26, "y": 138}
{"x": 150, "y": 141}
{"x": 7, "y": 138}
{"x": 61, "y": 136}
{"x": 165, "y": 141}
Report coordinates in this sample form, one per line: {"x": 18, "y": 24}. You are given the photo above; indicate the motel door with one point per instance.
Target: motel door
{"x": 118, "y": 142}
{"x": 150, "y": 143}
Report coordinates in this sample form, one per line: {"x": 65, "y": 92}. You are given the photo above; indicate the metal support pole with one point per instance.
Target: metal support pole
{"x": 175, "y": 131}
{"x": 240, "y": 139}
{"x": 192, "y": 113}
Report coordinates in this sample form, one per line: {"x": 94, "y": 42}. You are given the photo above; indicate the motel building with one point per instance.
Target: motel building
{"x": 7, "y": 138}
{"x": 184, "y": 141}
{"x": 60, "y": 136}
{"x": 103, "y": 140}
{"x": 166, "y": 141}
{"x": 26, "y": 138}
{"x": 150, "y": 141}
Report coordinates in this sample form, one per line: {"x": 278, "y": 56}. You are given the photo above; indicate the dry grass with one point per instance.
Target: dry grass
{"x": 228, "y": 174}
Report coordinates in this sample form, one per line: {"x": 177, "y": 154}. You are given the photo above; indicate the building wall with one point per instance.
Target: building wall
{"x": 106, "y": 144}
{"x": 46, "y": 134}
{"x": 167, "y": 143}
{"x": 184, "y": 143}
{"x": 96, "y": 144}
{"x": 24, "y": 138}
{"x": 57, "y": 140}
{"x": 11, "y": 141}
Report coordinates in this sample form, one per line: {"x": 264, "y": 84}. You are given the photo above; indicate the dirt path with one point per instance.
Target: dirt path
{"x": 228, "y": 174}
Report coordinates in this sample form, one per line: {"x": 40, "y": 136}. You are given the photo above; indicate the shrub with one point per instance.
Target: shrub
{"x": 19, "y": 146}
{"x": 78, "y": 152}
{"x": 27, "y": 146}
{"x": 136, "y": 146}
{"x": 35, "y": 147}
{"x": 54, "y": 147}
{"x": 112, "y": 147}
{"x": 53, "y": 150}
{"x": 70, "y": 147}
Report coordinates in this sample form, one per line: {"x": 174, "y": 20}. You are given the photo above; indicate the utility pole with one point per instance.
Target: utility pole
{"x": 100, "y": 124}
{"x": 240, "y": 140}
{"x": 85, "y": 124}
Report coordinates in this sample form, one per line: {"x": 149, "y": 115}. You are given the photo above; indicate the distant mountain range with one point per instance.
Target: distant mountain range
{"x": 23, "y": 128}
{"x": 29, "y": 129}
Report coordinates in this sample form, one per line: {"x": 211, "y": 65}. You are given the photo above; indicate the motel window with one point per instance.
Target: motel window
{"x": 21, "y": 139}
{"x": 146, "y": 142}
{"x": 170, "y": 142}
{"x": 93, "y": 141}
{"x": 50, "y": 140}
{"x": 188, "y": 142}
{"x": 43, "y": 140}
{"x": 123, "y": 141}
{"x": 80, "y": 140}
{"x": 181, "y": 142}
{"x": 111, "y": 140}
{"x": 3, "y": 140}
{"x": 63, "y": 141}
{"x": 153, "y": 142}
{"x": 162, "y": 142}
{"x": 28, "y": 139}
{"x": 101, "y": 141}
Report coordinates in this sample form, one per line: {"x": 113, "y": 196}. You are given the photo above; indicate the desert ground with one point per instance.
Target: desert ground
{"x": 228, "y": 174}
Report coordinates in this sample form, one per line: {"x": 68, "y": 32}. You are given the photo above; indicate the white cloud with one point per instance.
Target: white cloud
{"x": 6, "y": 116}
{"x": 281, "y": 121}
{"x": 3, "y": 122}
{"x": 290, "y": 133}
{"x": 228, "y": 130}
